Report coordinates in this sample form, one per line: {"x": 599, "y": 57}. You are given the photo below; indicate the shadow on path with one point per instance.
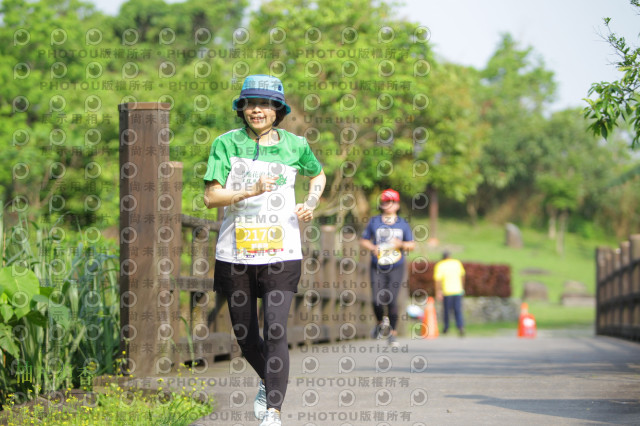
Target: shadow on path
{"x": 599, "y": 410}
{"x": 479, "y": 381}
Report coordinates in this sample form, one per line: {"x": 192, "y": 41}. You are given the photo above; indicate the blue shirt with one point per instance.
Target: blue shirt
{"x": 381, "y": 234}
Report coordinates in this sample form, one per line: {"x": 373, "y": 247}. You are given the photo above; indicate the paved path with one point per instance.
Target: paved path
{"x": 559, "y": 378}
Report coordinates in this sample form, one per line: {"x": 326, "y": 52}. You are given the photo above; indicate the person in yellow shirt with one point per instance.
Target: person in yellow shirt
{"x": 449, "y": 277}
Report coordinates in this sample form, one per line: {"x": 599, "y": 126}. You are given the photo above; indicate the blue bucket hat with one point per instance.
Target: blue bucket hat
{"x": 264, "y": 87}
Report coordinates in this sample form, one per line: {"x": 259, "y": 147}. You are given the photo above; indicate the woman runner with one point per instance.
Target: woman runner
{"x": 251, "y": 173}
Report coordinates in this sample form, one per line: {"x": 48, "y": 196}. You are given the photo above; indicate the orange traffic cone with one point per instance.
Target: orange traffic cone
{"x": 430, "y": 321}
{"x": 527, "y": 323}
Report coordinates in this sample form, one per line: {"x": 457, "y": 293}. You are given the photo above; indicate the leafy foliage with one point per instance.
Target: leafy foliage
{"x": 516, "y": 87}
{"x": 379, "y": 109}
{"x": 113, "y": 405}
{"x": 59, "y": 312}
{"x": 618, "y": 100}
{"x": 386, "y": 110}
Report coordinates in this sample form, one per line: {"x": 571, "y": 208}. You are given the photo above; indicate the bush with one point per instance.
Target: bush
{"x": 59, "y": 310}
{"x": 481, "y": 280}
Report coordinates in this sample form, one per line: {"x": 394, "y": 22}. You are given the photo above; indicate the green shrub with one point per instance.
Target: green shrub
{"x": 113, "y": 405}
{"x": 59, "y": 310}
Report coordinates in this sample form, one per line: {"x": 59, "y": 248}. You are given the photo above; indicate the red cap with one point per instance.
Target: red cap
{"x": 389, "y": 195}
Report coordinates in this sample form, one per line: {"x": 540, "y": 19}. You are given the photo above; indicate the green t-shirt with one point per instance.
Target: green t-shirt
{"x": 264, "y": 228}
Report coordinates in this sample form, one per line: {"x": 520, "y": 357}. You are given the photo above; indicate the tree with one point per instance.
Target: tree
{"x": 59, "y": 119}
{"x": 378, "y": 110}
{"x": 45, "y": 163}
{"x": 352, "y": 88}
{"x": 458, "y": 137}
{"x": 515, "y": 89}
{"x": 618, "y": 100}
{"x": 577, "y": 175}
{"x": 562, "y": 196}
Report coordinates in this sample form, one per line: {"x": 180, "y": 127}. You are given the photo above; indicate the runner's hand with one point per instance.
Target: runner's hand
{"x": 262, "y": 185}
{"x": 304, "y": 212}
{"x": 397, "y": 243}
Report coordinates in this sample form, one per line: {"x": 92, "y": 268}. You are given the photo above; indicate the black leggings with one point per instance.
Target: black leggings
{"x": 244, "y": 284}
{"x": 268, "y": 357}
{"x": 385, "y": 287}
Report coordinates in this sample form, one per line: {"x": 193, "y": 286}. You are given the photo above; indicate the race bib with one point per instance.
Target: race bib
{"x": 388, "y": 254}
{"x": 258, "y": 239}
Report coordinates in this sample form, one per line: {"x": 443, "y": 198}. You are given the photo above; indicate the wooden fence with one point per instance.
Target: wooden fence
{"x": 618, "y": 290}
{"x": 159, "y": 332}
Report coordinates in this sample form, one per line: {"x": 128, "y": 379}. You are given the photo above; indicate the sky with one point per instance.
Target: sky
{"x": 565, "y": 34}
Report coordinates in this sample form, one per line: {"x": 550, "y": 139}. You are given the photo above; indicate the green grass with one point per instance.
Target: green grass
{"x": 548, "y": 317}
{"x": 484, "y": 243}
{"x": 114, "y": 406}
{"x": 552, "y": 316}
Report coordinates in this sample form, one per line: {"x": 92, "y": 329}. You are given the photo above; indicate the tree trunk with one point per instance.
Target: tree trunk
{"x": 472, "y": 210}
{"x": 562, "y": 222}
{"x": 432, "y": 193}
{"x": 553, "y": 215}
{"x": 361, "y": 210}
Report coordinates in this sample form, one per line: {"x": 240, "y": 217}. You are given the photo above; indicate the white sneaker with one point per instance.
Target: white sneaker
{"x": 393, "y": 340}
{"x": 385, "y": 328}
{"x": 260, "y": 403}
{"x": 271, "y": 418}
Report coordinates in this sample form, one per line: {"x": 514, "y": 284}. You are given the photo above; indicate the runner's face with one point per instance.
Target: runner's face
{"x": 260, "y": 115}
{"x": 390, "y": 207}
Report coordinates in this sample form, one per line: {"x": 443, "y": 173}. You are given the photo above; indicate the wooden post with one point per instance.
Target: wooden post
{"x": 634, "y": 261}
{"x": 364, "y": 292}
{"x": 301, "y": 310}
{"x": 145, "y": 267}
{"x": 634, "y": 283}
{"x": 624, "y": 263}
{"x": 618, "y": 290}
{"x": 600, "y": 289}
{"x": 617, "y": 285}
{"x": 609, "y": 288}
{"x": 347, "y": 276}
{"x": 173, "y": 231}
{"x": 199, "y": 301}
{"x": 403, "y": 297}
{"x": 326, "y": 308}
{"x": 624, "y": 276}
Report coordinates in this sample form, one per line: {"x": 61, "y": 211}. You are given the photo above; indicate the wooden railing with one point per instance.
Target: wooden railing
{"x": 158, "y": 332}
{"x": 618, "y": 290}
